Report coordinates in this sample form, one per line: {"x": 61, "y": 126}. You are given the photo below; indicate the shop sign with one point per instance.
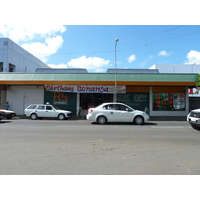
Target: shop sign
{"x": 86, "y": 88}
{"x": 194, "y": 92}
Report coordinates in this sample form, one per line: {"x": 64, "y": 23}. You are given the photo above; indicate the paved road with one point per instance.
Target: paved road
{"x": 80, "y": 147}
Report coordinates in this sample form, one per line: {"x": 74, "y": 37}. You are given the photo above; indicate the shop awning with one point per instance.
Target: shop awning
{"x": 143, "y": 79}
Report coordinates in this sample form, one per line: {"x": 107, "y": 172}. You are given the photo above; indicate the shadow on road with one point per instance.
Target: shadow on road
{"x": 126, "y": 123}
{"x": 4, "y": 122}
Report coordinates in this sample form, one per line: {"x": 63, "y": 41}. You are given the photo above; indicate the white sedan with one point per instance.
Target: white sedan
{"x": 116, "y": 112}
{"x": 36, "y": 111}
{"x": 194, "y": 119}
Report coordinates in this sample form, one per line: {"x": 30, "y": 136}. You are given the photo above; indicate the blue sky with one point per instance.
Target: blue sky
{"x": 92, "y": 46}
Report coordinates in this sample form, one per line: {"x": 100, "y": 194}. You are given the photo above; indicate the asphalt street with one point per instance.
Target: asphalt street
{"x": 79, "y": 147}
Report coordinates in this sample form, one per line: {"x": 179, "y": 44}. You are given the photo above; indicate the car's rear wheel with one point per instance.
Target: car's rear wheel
{"x": 102, "y": 120}
{"x": 61, "y": 117}
{"x": 33, "y": 116}
{"x": 139, "y": 120}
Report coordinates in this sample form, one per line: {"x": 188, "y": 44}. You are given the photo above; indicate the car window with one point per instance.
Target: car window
{"x": 56, "y": 107}
{"x": 48, "y": 108}
{"x": 117, "y": 107}
{"x": 109, "y": 107}
{"x": 122, "y": 107}
{"x": 31, "y": 106}
{"x": 41, "y": 107}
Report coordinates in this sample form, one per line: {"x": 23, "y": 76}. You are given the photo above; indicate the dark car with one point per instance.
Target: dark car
{"x": 8, "y": 113}
{"x": 1, "y": 115}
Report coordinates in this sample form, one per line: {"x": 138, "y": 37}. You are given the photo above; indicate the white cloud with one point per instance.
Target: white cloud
{"x": 91, "y": 63}
{"x": 27, "y": 33}
{"x": 46, "y": 49}
{"x": 193, "y": 57}
{"x": 49, "y": 40}
{"x": 164, "y": 53}
{"x": 62, "y": 65}
{"x": 131, "y": 58}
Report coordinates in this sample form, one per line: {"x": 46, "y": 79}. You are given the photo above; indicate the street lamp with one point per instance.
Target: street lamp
{"x": 115, "y": 98}
{"x": 193, "y": 67}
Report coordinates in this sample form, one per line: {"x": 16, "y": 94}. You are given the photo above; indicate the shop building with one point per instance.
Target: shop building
{"x": 163, "y": 94}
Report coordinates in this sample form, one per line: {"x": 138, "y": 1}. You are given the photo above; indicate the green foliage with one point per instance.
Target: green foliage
{"x": 198, "y": 80}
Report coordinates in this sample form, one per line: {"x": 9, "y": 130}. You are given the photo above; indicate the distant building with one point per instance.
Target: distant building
{"x": 14, "y": 58}
{"x": 177, "y": 68}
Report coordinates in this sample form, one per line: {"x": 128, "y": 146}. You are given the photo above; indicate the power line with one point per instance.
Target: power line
{"x": 169, "y": 39}
{"x": 152, "y": 34}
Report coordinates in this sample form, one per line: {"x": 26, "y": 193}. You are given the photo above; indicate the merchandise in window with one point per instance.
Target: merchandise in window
{"x": 168, "y": 101}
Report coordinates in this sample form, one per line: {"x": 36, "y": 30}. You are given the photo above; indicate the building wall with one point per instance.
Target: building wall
{"x": 177, "y": 68}
{"x": 14, "y": 56}
{"x": 19, "y": 97}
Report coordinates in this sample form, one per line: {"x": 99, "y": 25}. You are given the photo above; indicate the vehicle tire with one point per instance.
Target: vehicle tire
{"x": 102, "y": 120}
{"x": 61, "y": 117}
{"x": 195, "y": 127}
{"x": 33, "y": 116}
{"x": 138, "y": 120}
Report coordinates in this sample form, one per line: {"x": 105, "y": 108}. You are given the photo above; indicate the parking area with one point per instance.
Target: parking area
{"x": 79, "y": 147}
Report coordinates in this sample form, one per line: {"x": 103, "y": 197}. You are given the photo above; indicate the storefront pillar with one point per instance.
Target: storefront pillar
{"x": 77, "y": 104}
{"x": 150, "y": 101}
{"x": 187, "y": 100}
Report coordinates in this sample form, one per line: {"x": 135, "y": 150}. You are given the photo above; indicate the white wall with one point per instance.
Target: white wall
{"x": 177, "y": 68}
{"x": 19, "y": 97}
{"x": 12, "y": 53}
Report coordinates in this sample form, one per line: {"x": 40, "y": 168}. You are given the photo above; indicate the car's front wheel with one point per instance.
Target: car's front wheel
{"x": 61, "y": 117}
{"x": 139, "y": 120}
{"x": 102, "y": 120}
{"x": 195, "y": 127}
{"x": 33, "y": 116}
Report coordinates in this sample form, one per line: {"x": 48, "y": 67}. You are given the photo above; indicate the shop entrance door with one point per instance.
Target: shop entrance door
{"x": 91, "y": 100}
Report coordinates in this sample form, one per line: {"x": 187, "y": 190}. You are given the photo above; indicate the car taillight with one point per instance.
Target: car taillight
{"x": 90, "y": 110}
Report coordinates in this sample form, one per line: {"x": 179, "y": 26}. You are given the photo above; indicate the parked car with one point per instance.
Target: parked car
{"x": 38, "y": 111}
{"x": 116, "y": 112}
{"x": 8, "y": 113}
{"x": 1, "y": 115}
{"x": 194, "y": 119}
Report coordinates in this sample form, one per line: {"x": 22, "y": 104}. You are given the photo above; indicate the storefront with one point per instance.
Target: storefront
{"x": 162, "y": 94}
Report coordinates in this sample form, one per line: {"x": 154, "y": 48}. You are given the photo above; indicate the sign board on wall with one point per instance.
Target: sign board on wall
{"x": 65, "y": 101}
{"x": 86, "y": 88}
{"x": 138, "y": 100}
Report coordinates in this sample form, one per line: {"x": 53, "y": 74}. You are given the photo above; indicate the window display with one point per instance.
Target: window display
{"x": 168, "y": 101}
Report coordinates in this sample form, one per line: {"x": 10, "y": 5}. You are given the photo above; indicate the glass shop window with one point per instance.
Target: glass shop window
{"x": 168, "y": 101}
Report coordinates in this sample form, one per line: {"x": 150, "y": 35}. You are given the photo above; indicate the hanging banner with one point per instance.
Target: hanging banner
{"x": 86, "y": 88}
